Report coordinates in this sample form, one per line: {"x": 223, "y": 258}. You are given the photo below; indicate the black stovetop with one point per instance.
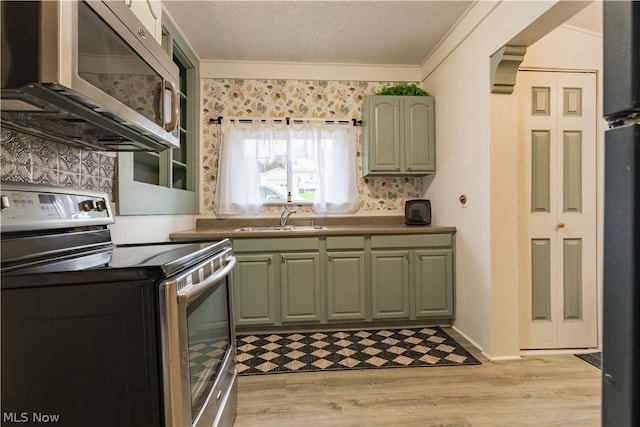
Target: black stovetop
{"x": 114, "y": 263}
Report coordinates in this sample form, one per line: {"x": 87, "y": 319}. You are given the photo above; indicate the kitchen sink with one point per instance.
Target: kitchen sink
{"x": 284, "y": 228}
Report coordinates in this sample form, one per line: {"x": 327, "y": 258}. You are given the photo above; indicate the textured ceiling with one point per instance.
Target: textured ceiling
{"x": 335, "y": 32}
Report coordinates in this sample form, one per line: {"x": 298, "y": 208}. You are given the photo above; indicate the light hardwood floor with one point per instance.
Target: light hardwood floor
{"x": 559, "y": 391}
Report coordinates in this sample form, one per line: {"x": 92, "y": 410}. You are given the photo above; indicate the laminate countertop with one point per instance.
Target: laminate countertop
{"x": 213, "y": 228}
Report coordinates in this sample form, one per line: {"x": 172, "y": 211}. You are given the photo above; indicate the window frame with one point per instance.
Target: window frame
{"x": 140, "y": 198}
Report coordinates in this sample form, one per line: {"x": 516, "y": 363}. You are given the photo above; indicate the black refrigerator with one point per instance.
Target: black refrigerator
{"x": 621, "y": 290}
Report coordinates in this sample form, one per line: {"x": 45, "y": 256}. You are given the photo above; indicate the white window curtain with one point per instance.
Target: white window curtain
{"x": 238, "y": 183}
{"x": 332, "y": 145}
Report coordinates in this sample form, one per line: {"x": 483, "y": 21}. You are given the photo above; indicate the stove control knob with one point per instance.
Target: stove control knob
{"x": 87, "y": 205}
{"x": 101, "y": 205}
{"x": 4, "y": 202}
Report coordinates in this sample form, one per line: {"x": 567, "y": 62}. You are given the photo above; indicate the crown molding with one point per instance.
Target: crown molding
{"x": 308, "y": 71}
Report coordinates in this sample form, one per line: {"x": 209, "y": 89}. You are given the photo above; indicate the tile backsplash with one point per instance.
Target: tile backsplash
{"x": 26, "y": 158}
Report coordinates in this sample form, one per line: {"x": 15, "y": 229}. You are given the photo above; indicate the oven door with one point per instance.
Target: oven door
{"x": 198, "y": 339}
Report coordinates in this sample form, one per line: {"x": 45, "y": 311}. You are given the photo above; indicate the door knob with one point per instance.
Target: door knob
{"x": 561, "y": 225}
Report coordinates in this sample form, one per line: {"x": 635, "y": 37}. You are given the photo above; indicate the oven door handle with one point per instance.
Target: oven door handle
{"x": 194, "y": 291}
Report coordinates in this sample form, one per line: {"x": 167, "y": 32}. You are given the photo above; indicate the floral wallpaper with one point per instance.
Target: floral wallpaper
{"x": 296, "y": 99}
{"x": 26, "y": 158}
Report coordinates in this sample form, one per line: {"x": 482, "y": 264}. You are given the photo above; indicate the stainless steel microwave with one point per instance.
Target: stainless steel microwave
{"x": 86, "y": 73}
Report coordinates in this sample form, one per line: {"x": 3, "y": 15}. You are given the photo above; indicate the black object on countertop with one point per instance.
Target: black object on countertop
{"x": 417, "y": 212}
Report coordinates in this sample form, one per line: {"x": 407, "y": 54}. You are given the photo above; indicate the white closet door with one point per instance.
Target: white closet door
{"x": 558, "y": 243}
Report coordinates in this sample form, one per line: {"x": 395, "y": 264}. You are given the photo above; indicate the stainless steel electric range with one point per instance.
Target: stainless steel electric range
{"x": 110, "y": 335}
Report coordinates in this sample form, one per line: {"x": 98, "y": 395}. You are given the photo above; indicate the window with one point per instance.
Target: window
{"x": 165, "y": 183}
{"x": 263, "y": 162}
{"x": 287, "y": 167}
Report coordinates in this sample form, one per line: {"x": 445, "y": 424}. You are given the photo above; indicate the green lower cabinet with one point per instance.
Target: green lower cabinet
{"x": 290, "y": 281}
{"x": 300, "y": 287}
{"x": 255, "y": 290}
{"x": 346, "y": 284}
{"x": 390, "y": 278}
{"x": 433, "y": 283}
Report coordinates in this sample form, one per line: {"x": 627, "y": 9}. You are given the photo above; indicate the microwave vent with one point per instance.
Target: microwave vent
{"x": 68, "y": 122}
{"x": 18, "y": 105}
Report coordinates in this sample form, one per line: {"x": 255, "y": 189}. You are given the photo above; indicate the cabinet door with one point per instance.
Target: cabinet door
{"x": 384, "y": 135}
{"x": 419, "y": 134}
{"x": 390, "y": 277}
{"x": 254, "y": 290}
{"x": 433, "y": 283}
{"x": 346, "y": 285}
{"x": 149, "y": 12}
{"x": 300, "y": 287}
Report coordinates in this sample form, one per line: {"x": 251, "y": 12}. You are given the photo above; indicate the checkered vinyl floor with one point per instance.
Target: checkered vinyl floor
{"x": 335, "y": 350}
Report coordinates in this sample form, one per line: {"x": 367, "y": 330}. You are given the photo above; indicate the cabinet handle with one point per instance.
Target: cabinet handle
{"x": 175, "y": 106}
{"x": 282, "y": 258}
{"x": 269, "y": 259}
{"x": 561, "y": 225}
{"x": 330, "y": 257}
{"x": 406, "y": 255}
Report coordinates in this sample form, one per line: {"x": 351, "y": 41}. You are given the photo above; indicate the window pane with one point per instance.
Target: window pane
{"x": 272, "y": 160}
{"x": 179, "y": 176}
{"x": 304, "y": 170}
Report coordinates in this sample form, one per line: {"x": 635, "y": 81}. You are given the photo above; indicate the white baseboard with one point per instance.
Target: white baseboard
{"x": 558, "y": 351}
{"x": 472, "y": 342}
{"x": 488, "y": 356}
{"x": 524, "y": 353}
{"x": 501, "y": 358}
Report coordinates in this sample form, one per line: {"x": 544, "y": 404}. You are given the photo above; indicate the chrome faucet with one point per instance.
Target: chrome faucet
{"x": 285, "y": 216}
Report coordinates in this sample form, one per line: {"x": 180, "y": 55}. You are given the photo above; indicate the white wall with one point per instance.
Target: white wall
{"x": 504, "y": 227}
{"x": 149, "y": 228}
{"x": 566, "y": 47}
{"x": 459, "y": 79}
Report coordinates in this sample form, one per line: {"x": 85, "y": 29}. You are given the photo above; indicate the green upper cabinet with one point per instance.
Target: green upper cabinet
{"x": 419, "y": 134}
{"x": 399, "y": 135}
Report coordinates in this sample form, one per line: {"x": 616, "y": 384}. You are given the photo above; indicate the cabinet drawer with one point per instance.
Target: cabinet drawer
{"x": 412, "y": 240}
{"x": 345, "y": 242}
{"x": 277, "y": 244}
